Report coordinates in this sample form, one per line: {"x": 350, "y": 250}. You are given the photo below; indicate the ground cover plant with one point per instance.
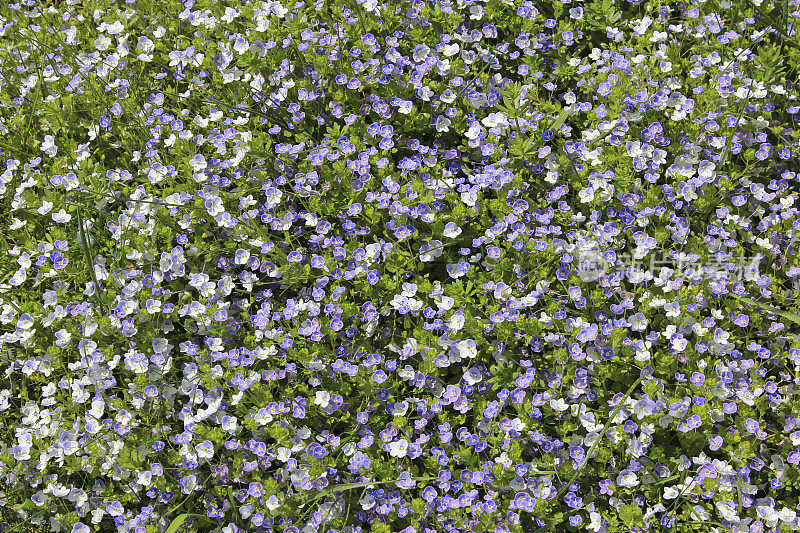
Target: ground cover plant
{"x": 399, "y": 266}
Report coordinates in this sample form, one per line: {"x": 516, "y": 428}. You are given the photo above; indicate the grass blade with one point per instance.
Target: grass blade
{"x": 90, "y": 262}
{"x": 785, "y": 314}
{"x": 177, "y": 522}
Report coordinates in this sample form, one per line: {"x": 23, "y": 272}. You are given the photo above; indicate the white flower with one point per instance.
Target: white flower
{"x": 241, "y": 257}
{"x": 198, "y": 162}
{"x": 48, "y": 145}
{"x": 448, "y": 96}
{"x": 430, "y": 251}
{"x": 398, "y": 448}
{"x": 400, "y": 408}
{"x": 188, "y": 484}
{"x": 634, "y": 148}
{"x": 658, "y": 36}
{"x": 470, "y": 197}
{"x": 627, "y": 478}
{"x": 283, "y": 454}
{"x": 637, "y": 322}
{"x": 115, "y": 28}
{"x": 16, "y": 223}
{"x": 241, "y": 45}
{"x": 442, "y": 124}
{"x": 323, "y": 398}
{"x": 445, "y": 303}
{"x": 787, "y": 515}
{"x": 456, "y": 322}
{"x": 504, "y": 460}
{"x": 144, "y": 478}
{"x": 467, "y": 349}
{"x": 473, "y": 376}
{"x": 586, "y": 195}
{"x": 451, "y": 230}
{"x": 409, "y": 289}
{"x": 102, "y": 42}
{"x": 278, "y": 10}
{"x": 474, "y": 131}
{"x": 272, "y": 503}
{"x": 517, "y": 424}
{"x": 160, "y": 345}
{"x": 495, "y": 119}
{"x": 595, "y": 523}
{"x": 727, "y": 509}
{"x": 398, "y": 301}
{"x": 205, "y": 450}
{"x": 230, "y": 14}
{"x": 420, "y": 53}
{"x": 273, "y": 197}
{"x": 229, "y": 423}
{"x": 698, "y": 513}
{"x": 450, "y": 50}
{"x": 63, "y": 337}
{"x": 214, "y": 206}
{"x": 61, "y": 217}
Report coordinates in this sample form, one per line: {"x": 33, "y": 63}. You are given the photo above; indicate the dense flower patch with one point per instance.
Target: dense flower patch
{"x": 399, "y": 266}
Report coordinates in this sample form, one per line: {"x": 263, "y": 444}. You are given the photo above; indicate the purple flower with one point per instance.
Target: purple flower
{"x": 373, "y": 277}
{"x": 492, "y": 409}
{"x": 577, "y": 453}
{"x": 429, "y": 494}
{"x": 751, "y": 425}
{"x": 524, "y": 501}
{"x": 573, "y": 500}
{"x": 741, "y": 320}
{"x": 698, "y": 379}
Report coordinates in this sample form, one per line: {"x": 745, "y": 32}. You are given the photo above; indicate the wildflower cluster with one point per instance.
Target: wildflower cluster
{"x": 376, "y": 266}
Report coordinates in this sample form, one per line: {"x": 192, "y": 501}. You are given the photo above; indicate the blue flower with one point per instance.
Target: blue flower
{"x": 373, "y": 277}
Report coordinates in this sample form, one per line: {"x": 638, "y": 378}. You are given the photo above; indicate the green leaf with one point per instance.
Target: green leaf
{"x": 560, "y": 120}
{"x": 177, "y": 522}
{"x": 231, "y": 498}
